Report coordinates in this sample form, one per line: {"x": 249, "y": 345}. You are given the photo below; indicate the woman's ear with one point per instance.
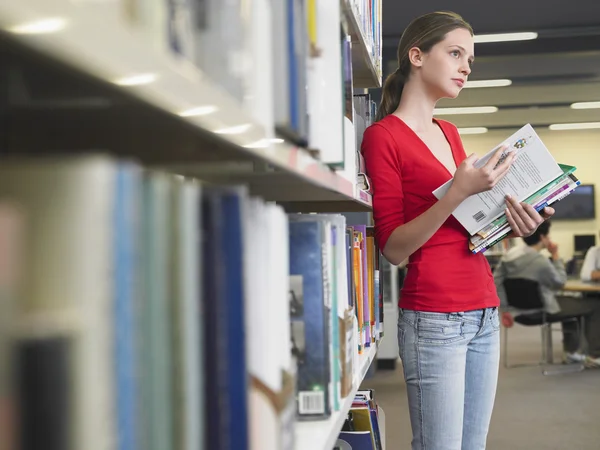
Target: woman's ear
{"x": 415, "y": 56}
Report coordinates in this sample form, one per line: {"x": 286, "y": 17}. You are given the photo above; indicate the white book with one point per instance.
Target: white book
{"x": 325, "y": 87}
{"x": 533, "y": 168}
{"x": 258, "y": 98}
{"x": 68, "y": 272}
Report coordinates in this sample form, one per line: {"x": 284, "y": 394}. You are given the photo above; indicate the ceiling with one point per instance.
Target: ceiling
{"x": 561, "y": 67}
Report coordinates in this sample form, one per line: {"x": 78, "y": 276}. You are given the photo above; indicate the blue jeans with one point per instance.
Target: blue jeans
{"x": 450, "y": 363}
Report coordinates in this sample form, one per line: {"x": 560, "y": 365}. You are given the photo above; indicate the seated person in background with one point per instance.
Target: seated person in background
{"x": 527, "y": 262}
{"x": 590, "y": 271}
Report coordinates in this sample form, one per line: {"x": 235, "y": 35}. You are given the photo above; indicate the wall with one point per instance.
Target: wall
{"x": 577, "y": 148}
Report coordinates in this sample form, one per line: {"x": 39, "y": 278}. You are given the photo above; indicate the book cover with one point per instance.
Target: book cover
{"x": 310, "y": 319}
{"x": 214, "y": 302}
{"x": 231, "y": 317}
{"x": 187, "y": 317}
{"x": 126, "y": 244}
{"x": 533, "y": 167}
{"x": 155, "y": 312}
{"x": 355, "y": 440}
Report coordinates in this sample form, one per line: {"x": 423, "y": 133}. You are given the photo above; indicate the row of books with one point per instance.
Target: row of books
{"x": 553, "y": 192}
{"x": 142, "y": 310}
{"x": 365, "y": 110}
{"x": 288, "y": 62}
{"x": 369, "y": 14}
{"x": 364, "y": 427}
{"x": 336, "y": 307}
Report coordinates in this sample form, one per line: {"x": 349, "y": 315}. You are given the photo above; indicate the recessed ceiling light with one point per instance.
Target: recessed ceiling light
{"x": 473, "y": 130}
{"x": 43, "y": 26}
{"x": 585, "y": 105}
{"x": 574, "y": 126}
{"x": 465, "y": 110}
{"x": 504, "y": 37}
{"x": 238, "y": 129}
{"x": 488, "y": 83}
{"x": 199, "y": 111}
{"x": 137, "y": 80}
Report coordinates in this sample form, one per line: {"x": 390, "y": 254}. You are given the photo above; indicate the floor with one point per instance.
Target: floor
{"x": 531, "y": 412}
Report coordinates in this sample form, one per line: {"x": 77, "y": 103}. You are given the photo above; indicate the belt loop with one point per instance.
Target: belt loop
{"x": 484, "y": 316}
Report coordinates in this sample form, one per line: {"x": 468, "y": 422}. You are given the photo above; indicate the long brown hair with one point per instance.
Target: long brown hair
{"x": 423, "y": 32}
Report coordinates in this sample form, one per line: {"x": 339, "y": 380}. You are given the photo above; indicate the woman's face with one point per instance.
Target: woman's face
{"x": 445, "y": 68}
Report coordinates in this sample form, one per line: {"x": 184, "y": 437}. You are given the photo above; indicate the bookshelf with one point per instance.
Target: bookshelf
{"x": 366, "y": 67}
{"x": 140, "y": 101}
{"x": 95, "y": 43}
{"x": 322, "y": 435}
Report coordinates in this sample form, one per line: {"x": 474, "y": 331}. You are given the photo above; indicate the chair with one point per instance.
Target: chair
{"x": 524, "y": 294}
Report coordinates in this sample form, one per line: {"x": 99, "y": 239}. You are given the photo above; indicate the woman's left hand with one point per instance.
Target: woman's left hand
{"x": 523, "y": 218}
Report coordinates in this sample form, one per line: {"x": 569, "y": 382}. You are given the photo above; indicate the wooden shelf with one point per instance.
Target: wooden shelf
{"x": 322, "y": 435}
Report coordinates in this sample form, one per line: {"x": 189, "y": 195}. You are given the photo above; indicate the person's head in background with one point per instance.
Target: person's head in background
{"x": 541, "y": 238}
{"x": 435, "y": 54}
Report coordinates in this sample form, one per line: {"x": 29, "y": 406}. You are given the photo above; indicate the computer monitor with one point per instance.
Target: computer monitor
{"x": 582, "y": 242}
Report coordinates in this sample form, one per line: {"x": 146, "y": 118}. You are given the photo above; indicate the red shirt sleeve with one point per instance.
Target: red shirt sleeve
{"x": 383, "y": 164}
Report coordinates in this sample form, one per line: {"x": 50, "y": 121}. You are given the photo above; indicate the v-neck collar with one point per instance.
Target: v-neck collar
{"x": 437, "y": 161}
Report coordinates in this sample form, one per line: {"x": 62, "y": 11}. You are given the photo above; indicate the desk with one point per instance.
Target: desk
{"x": 573, "y": 288}
{"x": 581, "y": 286}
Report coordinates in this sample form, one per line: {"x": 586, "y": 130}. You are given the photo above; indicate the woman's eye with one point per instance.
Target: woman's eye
{"x": 455, "y": 53}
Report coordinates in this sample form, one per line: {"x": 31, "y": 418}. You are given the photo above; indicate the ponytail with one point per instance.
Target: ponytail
{"x": 390, "y": 97}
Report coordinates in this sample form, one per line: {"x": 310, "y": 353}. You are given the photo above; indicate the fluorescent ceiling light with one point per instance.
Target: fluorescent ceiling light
{"x": 465, "y": 110}
{"x": 504, "y": 37}
{"x": 137, "y": 80}
{"x": 473, "y": 130}
{"x": 585, "y": 105}
{"x": 574, "y": 126}
{"x": 44, "y": 26}
{"x": 199, "y": 111}
{"x": 238, "y": 129}
{"x": 488, "y": 83}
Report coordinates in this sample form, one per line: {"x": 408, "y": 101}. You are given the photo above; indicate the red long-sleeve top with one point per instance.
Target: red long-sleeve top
{"x": 442, "y": 275}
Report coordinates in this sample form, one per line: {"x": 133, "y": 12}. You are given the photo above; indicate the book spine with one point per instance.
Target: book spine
{"x": 538, "y": 208}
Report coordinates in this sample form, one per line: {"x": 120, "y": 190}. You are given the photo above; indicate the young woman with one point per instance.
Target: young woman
{"x": 448, "y": 327}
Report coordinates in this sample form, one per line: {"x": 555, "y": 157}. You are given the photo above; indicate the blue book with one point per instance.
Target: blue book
{"x": 310, "y": 320}
{"x": 213, "y": 276}
{"x": 226, "y": 378}
{"x": 232, "y": 317}
{"x": 355, "y": 440}
{"x": 126, "y": 246}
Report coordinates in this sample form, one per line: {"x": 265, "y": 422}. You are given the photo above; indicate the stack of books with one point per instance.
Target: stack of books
{"x": 534, "y": 178}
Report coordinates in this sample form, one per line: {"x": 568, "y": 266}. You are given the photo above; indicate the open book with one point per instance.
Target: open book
{"x": 534, "y": 178}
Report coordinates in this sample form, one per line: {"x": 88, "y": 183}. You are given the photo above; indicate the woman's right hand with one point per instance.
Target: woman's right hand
{"x": 470, "y": 180}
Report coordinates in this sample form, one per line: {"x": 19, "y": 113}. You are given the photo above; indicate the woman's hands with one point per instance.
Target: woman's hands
{"x": 469, "y": 180}
{"x": 523, "y": 218}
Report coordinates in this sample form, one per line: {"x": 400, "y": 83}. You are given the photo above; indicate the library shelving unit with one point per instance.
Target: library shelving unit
{"x": 175, "y": 118}
{"x": 93, "y": 42}
{"x": 366, "y": 70}
{"x": 322, "y": 435}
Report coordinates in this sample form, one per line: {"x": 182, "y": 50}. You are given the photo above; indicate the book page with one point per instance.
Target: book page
{"x": 532, "y": 168}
